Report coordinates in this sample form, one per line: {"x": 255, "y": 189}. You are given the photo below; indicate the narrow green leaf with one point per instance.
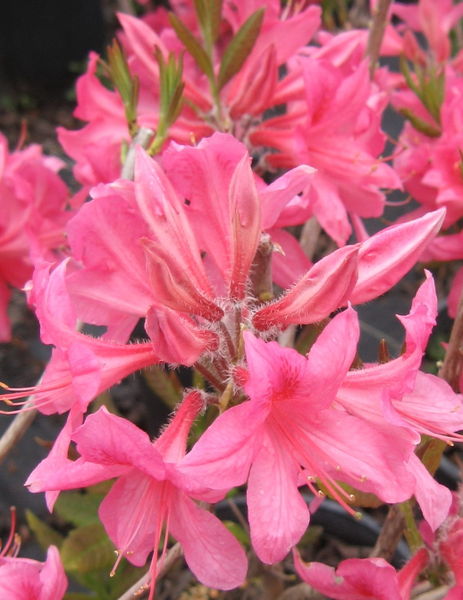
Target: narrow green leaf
{"x": 405, "y": 70}
{"x": 171, "y": 96}
{"x": 192, "y": 45}
{"x": 420, "y": 124}
{"x": 209, "y": 13}
{"x": 87, "y": 549}
{"x": 201, "y": 13}
{"x": 44, "y": 534}
{"x": 126, "y": 84}
{"x": 215, "y": 18}
{"x": 240, "y": 47}
{"x": 78, "y": 509}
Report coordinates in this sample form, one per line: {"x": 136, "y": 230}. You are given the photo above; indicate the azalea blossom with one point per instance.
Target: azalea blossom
{"x": 32, "y": 217}
{"x": 255, "y": 88}
{"x": 398, "y": 393}
{"x": 27, "y": 579}
{"x": 289, "y": 432}
{"x": 335, "y": 128}
{"x": 363, "y": 578}
{"x": 149, "y": 495}
{"x": 434, "y": 20}
{"x": 191, "y": 274}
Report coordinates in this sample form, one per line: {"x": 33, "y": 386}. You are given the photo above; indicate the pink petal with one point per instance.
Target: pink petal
{"x": 178, "y": 278}
{"x": 52, "y": 578}
{"x": 132, "y": 514}
{"x": 202, "y": 175}
{"x": 324, "y": 288}
{"x": 5, "y": 327}
{"x": 333, "y": 353}
{"x": 176, "y": 338}
{"x": 389, "y": 254}
{"x": 278, "y": 515}
{"x": 245, "y": 213}
{"x": 221, "y": 458}
{"x": 275, "y": 373}
{"x": 354, "y": 579}
{"x": 106, "y": 439}
{"x": 434, "y": 499}
{"x": 278, "y": 194}
{"x": 211, "y": 551}
{"x": 290, "y": 266}
{"x": 409, "y": 573}
{"x": 171, "y": 444}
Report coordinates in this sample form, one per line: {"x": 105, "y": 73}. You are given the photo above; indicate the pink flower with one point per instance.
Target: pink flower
{"x": 26, "y": 579}
{"x": 81, "y": 366}
{"x": 149, "y": 495}
{"x": 336, "y": 129}
{"x": 289, "y": 433}
{"x": 363, "y": 578}
{"x": 430, "y": 167}
{"x": 398, "y": 393}
{"x": 178, "y": 245}
{"x": 32, "y": 217}
{"x": 434, "y": 19}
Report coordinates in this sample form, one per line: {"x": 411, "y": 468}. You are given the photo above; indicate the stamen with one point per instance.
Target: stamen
{"x": 119, "y": 554}
{"x": 332, "y": 486}
{"x": 13, "y": 543}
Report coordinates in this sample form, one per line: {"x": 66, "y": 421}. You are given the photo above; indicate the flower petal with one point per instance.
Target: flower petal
{"x": 211, "y": 551}
{"x": 278, "y": 515}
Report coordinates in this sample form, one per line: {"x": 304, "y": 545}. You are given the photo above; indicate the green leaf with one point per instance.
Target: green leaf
{"x": 405, "y": 70}
{"x": 171, "y": 96}
{"x": 237, "y": 530}
{"x": 78, "y": 509}
{"x": 420, "y": 125}
{"x": 209, "y": 13}
{"x": 44, "y": 534}
{"x": 87, "y": 549}
{"x": 77, "y": 596}
{"x": 240, "y": 47}
{"x": 430, "y": 451}
{"x": 159, "y": 382}
{"x": 192, "y": 45}
{"x": 126, "y": 575}
{"x": 126, "y": 84}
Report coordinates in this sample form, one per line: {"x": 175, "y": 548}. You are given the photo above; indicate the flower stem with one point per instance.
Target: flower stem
{"x": 376, "y": 34}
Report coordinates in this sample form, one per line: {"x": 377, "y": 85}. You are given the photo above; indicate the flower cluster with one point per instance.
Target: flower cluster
{"x": 209, "y": 171}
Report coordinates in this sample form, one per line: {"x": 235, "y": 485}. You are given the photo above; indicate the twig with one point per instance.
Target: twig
{"x": 126, "y": 6}
{"x": 309, "y": 237}
{"x": 142, "y": 138}
{"x": 238, "y": 514}
{"x": 390, "y": 535}
{"x": 453, "y": 362}
{"x": 162, "y": 567}
{"x": 438, "y": 594}
{"x": 17, "y": 428}
{"x": 376, "y": 34}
